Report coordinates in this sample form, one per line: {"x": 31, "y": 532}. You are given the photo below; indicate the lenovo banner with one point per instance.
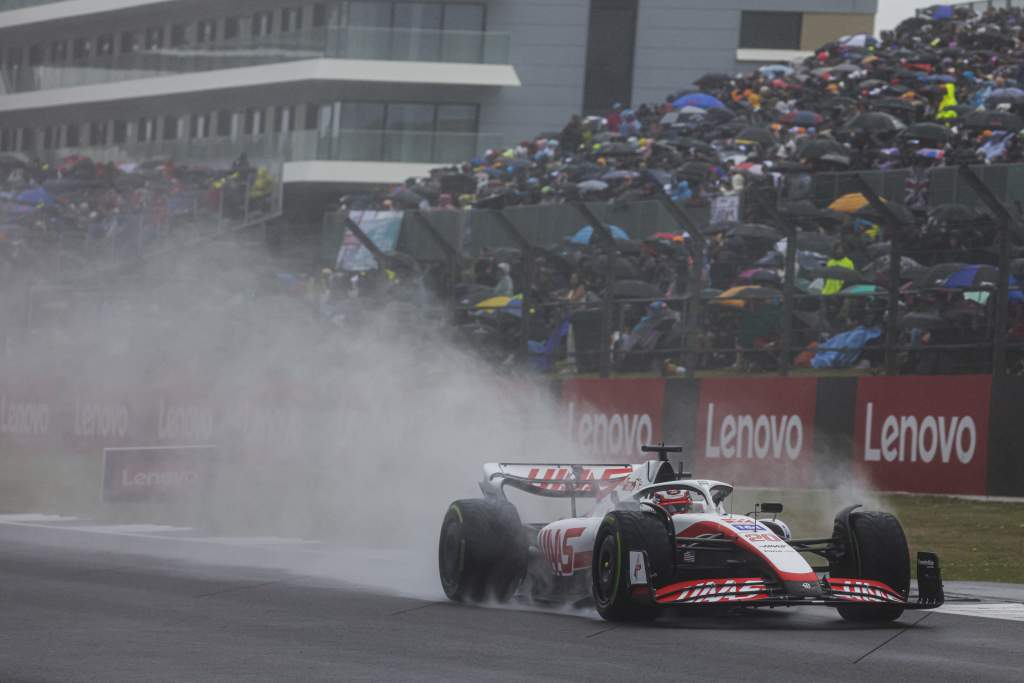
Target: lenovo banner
{"x": 757, "y": 432}
{"x": 923, "y": 434}
{"x": 151, "y": 475}
{"x": 609, "y": 420}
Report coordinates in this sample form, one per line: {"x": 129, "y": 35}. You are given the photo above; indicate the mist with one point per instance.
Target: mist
{"x": 357, "y": 432}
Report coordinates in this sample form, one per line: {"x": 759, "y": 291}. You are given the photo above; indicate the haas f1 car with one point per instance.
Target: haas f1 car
{"x": 656, "y": 538}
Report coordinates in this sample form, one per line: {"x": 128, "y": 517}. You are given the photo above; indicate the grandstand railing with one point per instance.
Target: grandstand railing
{"x": 343, "y": 145}
{"x": 347, "y": 42}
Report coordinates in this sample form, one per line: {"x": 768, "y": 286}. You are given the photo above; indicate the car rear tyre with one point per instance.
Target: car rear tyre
{"x": 879, "y": 553}
{"x": 621, "y": 532}
{"x": 483, "y": 551}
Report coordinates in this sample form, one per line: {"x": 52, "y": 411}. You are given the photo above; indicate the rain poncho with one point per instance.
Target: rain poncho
{"x": 946, "y": 106}
{"x": 843, "y": 350}
{"x": 835, "y": 286}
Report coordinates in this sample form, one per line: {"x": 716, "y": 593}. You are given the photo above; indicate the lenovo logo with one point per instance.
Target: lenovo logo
{"x": 747, "y": 436}
{"x": 616, "y": 434}
{"x": 907, "y": 438}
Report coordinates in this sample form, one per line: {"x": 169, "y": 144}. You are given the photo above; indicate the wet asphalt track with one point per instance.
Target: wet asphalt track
{"x": 75, "y": 615}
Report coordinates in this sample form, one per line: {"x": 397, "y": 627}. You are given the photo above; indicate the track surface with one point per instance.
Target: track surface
{"x": 78, "y": 615}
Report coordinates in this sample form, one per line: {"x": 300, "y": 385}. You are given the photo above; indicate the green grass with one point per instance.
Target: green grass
{"x": 976, "y": 540}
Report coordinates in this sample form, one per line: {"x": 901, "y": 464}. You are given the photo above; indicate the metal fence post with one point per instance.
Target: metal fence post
{"x": 894, "y": 228}
{"x": 608, "y": 305}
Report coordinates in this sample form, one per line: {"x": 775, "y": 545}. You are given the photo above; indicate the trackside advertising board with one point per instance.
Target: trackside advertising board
{"x": 923, "y": 434}
{"x": 151, "y": 475}
{"x": 611, "y": 419}
{"x": 757, "y": 431}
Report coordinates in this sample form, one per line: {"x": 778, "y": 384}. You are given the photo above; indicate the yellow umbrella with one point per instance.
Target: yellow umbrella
{"x": 849, "y": 203}
{"x": 495, "y": 302}
{"x": 733, "y": 297}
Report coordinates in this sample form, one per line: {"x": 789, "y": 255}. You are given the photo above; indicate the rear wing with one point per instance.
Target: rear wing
{"x": 553, "y": 480}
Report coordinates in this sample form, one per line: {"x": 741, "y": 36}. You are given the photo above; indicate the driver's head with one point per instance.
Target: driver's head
{"x": 673, "y": 501}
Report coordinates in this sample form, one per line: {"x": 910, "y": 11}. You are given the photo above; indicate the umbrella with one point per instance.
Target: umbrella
{"x": 761, "y": 276}
{"x": 949, "y": 215}
{"x": 936, "y": 275}
{"x": 849, "y": 203}
{"x": 858, "y": 40}
{"x": 620, "y": 175}
{"x": 923, "y": 321}
{"x": 881, "y": 265}
{"x": 802, "y": 118}
{"x": 973, "y": 277}
{"x": 737, "y": 297}
{"x": 1005, "y": 96}
{"x": 928, "y": 132}
{"x": 592, "y": 186}
{"x": 816, "y": 242}
{"x": 37, "y": 195}
{"x": 667, "y": 236}
{"x": 696, "y": 171}
{"x": 756, "y": 231}
{"x": 776, "y": 70}
{"x": 993, "y": 120}
{"x": 875, "y": 122}
{"x": 494, "y": 303}
{"x": 756, "y": 134}
{"x": 585, "y": 234}
{"x": 862, "y": 290}
{"x": 817, "y": 149}
{"x": 702, "y": 100}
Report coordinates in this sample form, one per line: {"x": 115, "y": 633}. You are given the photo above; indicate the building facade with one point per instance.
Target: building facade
{"x": 364, "y": 91}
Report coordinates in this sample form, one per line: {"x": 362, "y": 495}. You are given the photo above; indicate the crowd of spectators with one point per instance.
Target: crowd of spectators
{"x": 942, "y": 89}
{"x": 78, "y": 212}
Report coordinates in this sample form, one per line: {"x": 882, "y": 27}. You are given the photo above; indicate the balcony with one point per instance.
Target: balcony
{"x": 395, "y": 146}
{"x": 352, "y": 43}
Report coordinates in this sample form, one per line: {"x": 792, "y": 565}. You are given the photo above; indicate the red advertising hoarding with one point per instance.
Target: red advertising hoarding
{"x": 150, "y": 475}
{"x": 923, "y": 434}
{"x": 609, "y": 420}
{"x": 757, "y": 431}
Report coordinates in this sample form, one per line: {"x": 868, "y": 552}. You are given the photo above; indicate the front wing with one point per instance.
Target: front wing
{"x": 832, "y": 591}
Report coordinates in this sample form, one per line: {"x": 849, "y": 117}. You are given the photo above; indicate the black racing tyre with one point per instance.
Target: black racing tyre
{"x": 880, "y": 554}
{"x": 620, "y": 532}
{"x": 483, "y": 551}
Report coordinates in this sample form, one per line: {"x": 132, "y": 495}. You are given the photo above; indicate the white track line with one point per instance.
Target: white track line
{"x": 1007, "y": 611}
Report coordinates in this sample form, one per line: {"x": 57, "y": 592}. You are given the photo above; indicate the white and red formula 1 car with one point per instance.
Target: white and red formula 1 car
{"x": 657, "y": 538}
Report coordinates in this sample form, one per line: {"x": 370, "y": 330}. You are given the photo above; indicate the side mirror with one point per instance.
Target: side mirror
{"x": 768, "y": 508}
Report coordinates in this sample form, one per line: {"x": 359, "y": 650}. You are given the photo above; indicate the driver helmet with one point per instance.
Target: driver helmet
{"x": 675, "y": 502}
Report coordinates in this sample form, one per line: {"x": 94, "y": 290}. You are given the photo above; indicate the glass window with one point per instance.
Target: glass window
{"x": 120, "y": 132}
{"x": 51, "y": 137}
{"x": 35, "y": 55}
{"x": 362, "y": 116}
{"x": 319, "y": 15}
{"x": 457, "y": 118}
{"x": 28, "y": 139}
{"x": 284, "y": 119}
{"x": 105, "y": 45}
{"x": 291, "y": 19}
{"x": 6, "y": 140}
{"x": 71, "y": 135}
{"x": 368, "y": 13}
{"x": 58, "y": 52}
{"x": 98, "y": 133}
{"x": 154, "y": 37}
{"x": 464, "y": 17}
{"x": 312, "y": 115}
{"x": 14, "y": 58}
{"x": 200, "y": 126}
{"x": 147, "y": 129}
{"x": 206, "y": 31}
{"x": 82, "y": 48}
{"x": 419, "y": 15}
{"x": 178, "y": 36}
{"x": 771, "y": 30}
{"x": 253, "y": 121}
{"x": 232, "y": 27}
{"x": 170, "y": 127}
{"x": 262, "y": 24}
{"x": 129, "y": 42}
{"x": 223, "y": 123}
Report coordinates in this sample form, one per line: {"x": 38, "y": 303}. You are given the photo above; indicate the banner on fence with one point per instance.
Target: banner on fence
{"x": 152, "y": 475}
{"x": 382, "y": 227}
{"x": 609, "y": 420}
{"x": 923, "y": 434}
{"x": 757, "y": 431}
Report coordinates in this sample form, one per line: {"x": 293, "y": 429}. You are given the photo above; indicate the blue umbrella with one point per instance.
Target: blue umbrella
{"x": 700, "y": 100}
{"x": 586, "y": 233}
{"x": 777, "y": 70}
{"x": 37, "y": 195}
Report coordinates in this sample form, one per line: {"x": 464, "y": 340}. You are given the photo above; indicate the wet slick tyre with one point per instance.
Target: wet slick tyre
{"x": 620, "y": 532}
{"x": 483, "y": 551}
{"x": 880, "y": 553}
